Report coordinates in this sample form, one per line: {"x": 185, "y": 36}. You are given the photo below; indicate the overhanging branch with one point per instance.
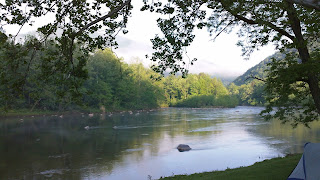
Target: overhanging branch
{"x": 111, "y": 13}
{"x": 255, "y": 77}
{"x": 73, "y": 36}
{"x": 257, "y": 22}
{"x": 272, "y": 26}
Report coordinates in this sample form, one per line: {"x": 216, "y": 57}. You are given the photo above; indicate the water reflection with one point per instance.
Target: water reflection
{"x": 139, "y": 144}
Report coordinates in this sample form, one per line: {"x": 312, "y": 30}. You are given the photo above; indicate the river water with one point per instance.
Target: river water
{"x": 142, "y": 145}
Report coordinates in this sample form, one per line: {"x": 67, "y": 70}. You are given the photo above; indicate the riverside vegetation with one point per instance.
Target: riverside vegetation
{"x": 108, "y": 84}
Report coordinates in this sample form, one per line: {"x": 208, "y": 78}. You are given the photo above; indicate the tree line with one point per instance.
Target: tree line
{"x": 100, "y": 80}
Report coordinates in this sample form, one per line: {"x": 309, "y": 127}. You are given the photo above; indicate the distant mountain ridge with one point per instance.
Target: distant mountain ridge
{"x": 257, "y": 70}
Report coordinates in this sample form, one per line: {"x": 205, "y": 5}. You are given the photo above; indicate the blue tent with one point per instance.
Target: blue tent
{"x": 308, "y": 167}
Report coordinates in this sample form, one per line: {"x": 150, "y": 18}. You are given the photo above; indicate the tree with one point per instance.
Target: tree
{"x": 38, "y": 76}
{"x": 284, "y": 23}
{"x": 287, "y": 23}
{"x": 75, "y": 22}
{"x": 103, "y": 71}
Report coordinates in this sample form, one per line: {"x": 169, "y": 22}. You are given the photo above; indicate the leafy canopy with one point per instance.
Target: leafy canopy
{"x": 287, "y": 23}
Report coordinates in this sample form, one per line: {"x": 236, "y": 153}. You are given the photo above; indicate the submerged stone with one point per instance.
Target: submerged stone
{"x": 183, "y": 147}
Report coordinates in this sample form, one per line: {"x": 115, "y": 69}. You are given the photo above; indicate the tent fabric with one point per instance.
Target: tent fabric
{"x": 308, "y": 167}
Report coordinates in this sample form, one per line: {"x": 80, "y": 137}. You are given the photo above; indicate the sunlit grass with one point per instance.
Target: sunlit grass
{"x": 275, "y": 169}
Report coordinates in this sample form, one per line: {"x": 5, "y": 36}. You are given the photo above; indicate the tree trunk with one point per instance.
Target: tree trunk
{"x": 315, "y": 90}
{"x": 35, "y": 104}
{"x": 301, "y": 45}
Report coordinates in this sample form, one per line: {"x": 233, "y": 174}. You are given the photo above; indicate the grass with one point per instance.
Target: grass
{"x": 273, "y": 169}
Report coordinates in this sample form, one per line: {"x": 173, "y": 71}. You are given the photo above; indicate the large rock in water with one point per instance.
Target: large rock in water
{"x": 183, "y": 147}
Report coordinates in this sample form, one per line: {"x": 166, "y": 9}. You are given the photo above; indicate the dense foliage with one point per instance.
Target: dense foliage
{"x": 251, "y": 93}
{"x": 32, "y": 76}
{"x": 197, "y": 91}
{"x": 287, "y": 88}
{"x": 249, "y": 87}
{"x": 115, "y": 85}
{"x": 110, "y": 84}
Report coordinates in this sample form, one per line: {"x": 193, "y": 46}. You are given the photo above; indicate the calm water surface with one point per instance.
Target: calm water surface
{"x": 143, "y": 145}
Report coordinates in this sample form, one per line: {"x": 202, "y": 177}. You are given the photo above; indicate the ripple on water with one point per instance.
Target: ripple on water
{"x": 133, "y": 150}
{"x": 274, "y": 142}
{"x": 212, "y": 128}
{"x": 256, "y": 123}
{"x": 147, "y": 144}
{"x": 59, "y": 156}
{"x": 51, "y": 172}
{"x": 124, "y": 127}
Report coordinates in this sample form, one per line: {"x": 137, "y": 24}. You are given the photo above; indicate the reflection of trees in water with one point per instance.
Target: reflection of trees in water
{"x": 52, "y": 143}
{"x": 188, "y": 121}
{"x": 292, "y": 138}
{"x": 36, "y": 145}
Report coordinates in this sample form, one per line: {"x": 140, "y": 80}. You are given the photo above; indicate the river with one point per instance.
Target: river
{"x": 142, "y": 145}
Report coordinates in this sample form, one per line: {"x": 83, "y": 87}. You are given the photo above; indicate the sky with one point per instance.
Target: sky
{"x": 221, "y": 58}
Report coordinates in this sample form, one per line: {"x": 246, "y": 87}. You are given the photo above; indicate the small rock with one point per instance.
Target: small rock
{"x": 183, "y": 147}
{"x": 86, "y": 128}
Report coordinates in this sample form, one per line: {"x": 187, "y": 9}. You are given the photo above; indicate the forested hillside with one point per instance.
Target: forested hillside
{"x": 257, "y": 70}
{"x": 249, "y": 87}
{"x": 100, "y": 82}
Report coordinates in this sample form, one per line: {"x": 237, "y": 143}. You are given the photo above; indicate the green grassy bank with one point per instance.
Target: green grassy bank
{"x": 273, "y": 169}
